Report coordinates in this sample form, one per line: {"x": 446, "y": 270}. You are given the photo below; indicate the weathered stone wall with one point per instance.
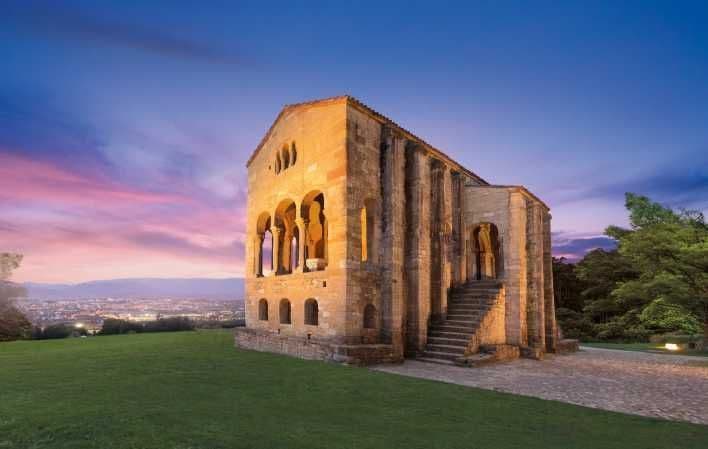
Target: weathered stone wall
{"x": 319, "y": 134}
{"x": 364, "y": 191}
{"x": 523, "y": 225}
{"x": 314, "y": 349}
{"x": 400, "y": 218}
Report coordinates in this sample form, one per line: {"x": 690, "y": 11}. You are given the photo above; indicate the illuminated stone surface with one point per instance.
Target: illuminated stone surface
{"x": 384, "y": 247}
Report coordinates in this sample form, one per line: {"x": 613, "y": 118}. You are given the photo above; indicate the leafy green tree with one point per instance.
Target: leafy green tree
{"x": 567, "y": 287}
{"x": 602, "y": 271}
{"x": 669, "y": 251}
{"x": 13, "y": 323}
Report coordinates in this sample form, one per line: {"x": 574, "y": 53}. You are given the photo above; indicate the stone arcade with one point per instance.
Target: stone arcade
{"x": 365, "y": 244}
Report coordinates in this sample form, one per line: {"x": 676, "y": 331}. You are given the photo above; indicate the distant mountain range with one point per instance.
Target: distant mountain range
{"x": 229, "y": 288}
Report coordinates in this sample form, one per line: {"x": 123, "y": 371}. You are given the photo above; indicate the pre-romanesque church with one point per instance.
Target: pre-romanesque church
{"x": 365, "y": 244}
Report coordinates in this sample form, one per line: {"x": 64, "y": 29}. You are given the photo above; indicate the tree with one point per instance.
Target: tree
{"x": 567, "y": 286}
{"x": 602, "y": 271}
{"x": 13, "y": 323}
{"x": 669, "y": 251}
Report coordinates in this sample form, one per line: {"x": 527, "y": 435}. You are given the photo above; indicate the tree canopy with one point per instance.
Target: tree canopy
{"x": 655, "y": 281}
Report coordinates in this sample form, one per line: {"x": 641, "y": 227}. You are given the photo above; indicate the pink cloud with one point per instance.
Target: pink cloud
{"x": 73, "y": 227}
{"x": 22, "y": 179}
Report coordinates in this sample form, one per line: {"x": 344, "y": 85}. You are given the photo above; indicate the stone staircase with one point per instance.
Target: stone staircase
{"x": 448, "y": 340}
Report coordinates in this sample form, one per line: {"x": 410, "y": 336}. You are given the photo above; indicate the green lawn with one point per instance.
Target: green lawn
{"x": 644, "y": 347}
{"x": 195, "y": 390}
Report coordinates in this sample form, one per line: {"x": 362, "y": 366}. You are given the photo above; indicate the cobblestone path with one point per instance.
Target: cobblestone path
{"x": 663, "y": 386}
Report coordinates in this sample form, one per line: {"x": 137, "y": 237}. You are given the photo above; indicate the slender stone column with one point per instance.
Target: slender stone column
{"x": 287, "y": 249}
{"x": 302, "y": 236}
{"x": 446, "y": 253}
{"x": 275, "y": 230}
{"x": 535, "y": 300}
{"x": 515, "y": 272}
{"x": 393, "y": 291}
{"x": 550, "y": 308}
{"x": 258, "y": 254}
{"x": 418, "y": 249}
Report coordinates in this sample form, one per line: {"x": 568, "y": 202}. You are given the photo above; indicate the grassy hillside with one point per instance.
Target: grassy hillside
{"x": 194, "y": 390}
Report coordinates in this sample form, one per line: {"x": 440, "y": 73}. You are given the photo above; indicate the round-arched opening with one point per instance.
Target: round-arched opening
{"x": 284, "y": 311}
{"x": 285, "y": 215}
{"x": 263, "y": 309}
{"x": 293, "y": 154}
{"x": 311, "y": 312}
{"x": 278, "y": 164}
{"x": 286, "y": 157}
{"x": 487, "y": 262}
{"x": 312, "y": 211}
{"x": 369, "y": 317}
{"x": 264, "y": 245}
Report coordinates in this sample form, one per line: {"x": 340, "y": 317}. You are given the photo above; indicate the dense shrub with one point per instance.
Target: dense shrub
{"x": 57, "y": 331}
{"x": 113, "y": 326}
{"x": 219, "y": 324}
{"x": 178, "y": 323}
{"x": 575, "y": 324}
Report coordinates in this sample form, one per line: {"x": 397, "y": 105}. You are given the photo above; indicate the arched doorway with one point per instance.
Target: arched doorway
{"x": 485, "y": 255}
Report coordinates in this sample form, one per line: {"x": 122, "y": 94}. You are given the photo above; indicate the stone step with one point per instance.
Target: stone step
{"x": 474, "y": 295}
{"x": 462, "y": 316}
{"x": 450, "y": 328}
{"x": 453, "y": 309}
{"x": 438, "y": 361}
{"x": 472, "y": 284}
{"x": 448, "y": 349}
{"x": 471, "y": 304}
{"x": 451, "y": 356}
{"x": 462, "y": 323}
{"x": 448, "y": 341}
{"x": 450, "y": 335}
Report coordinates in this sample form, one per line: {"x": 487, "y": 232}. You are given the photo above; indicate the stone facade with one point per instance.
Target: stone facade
{"x": 358, "y": 233}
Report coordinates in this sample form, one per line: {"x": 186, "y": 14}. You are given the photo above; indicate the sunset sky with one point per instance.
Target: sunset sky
{"x": 125, "y": 127}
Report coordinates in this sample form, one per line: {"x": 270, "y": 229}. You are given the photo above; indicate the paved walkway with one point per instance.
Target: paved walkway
{"x": 664, "y": 386}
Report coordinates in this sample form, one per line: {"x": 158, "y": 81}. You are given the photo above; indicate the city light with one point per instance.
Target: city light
{"x": 671, "y": 346}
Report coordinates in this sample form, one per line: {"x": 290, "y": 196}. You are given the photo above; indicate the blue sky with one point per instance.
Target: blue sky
{"x": 125, "y": 126}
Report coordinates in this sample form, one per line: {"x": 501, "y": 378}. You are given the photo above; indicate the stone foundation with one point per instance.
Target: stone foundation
{"x": 315, "y": 349}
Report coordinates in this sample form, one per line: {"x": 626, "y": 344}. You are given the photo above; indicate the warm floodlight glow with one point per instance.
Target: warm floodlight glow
{"x": 79, "y": 325}
{"x": 671, "y": 346}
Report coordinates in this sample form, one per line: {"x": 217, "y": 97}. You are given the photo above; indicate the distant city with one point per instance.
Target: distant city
{"x": 90, "y": 313}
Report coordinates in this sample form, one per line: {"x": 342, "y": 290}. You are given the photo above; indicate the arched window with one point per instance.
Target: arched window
{"x": 267, "y": 253}
{"x": 293, "y": 154}
{"x": 285, "y": 221}
{"x": 277, "y": 163}
{"x": 263, "y": 309}
{"x": 364, "y": 236}
{"x": 263, "y": 246}
{"x": 369, "y": 317}
{"x": 311, "y": 312}
{"x": 313, "y": 210}
{"x": 368, "y": 238}
{"x": 285, "y": 311}
{"x": 286, "y": 157}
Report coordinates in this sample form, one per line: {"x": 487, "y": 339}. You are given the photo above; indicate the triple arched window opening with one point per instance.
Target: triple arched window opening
{"x": 288, "y": 241}
{"x": 285, "y": 158}
{"x": 311, "y": 311}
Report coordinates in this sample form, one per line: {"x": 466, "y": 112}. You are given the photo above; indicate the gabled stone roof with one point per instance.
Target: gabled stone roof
{"x": 377, "y": 115}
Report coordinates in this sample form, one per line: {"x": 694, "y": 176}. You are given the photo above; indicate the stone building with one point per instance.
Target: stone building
{"x": 366, "y": 244}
